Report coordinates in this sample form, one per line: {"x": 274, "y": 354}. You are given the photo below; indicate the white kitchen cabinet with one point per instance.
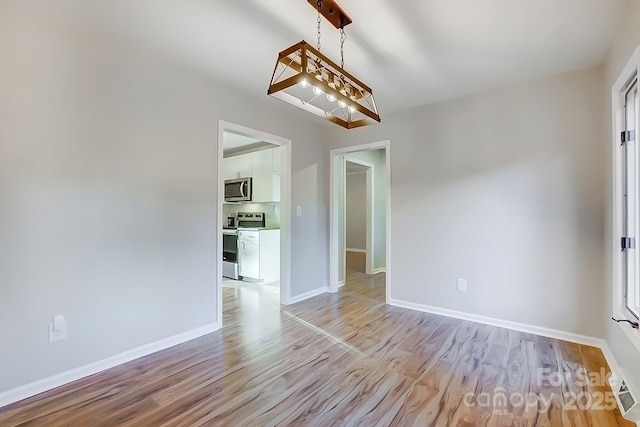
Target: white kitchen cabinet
{"x": 276, "y": 160}
{"x": 240, "y": 166}
{"x": 263, "y": 166}
{"x": 266, "y": 184}
{"x": 249, "y": 254}
{"x": 259, "y": 255}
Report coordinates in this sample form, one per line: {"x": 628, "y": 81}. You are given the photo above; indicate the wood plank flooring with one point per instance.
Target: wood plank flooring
{"x": 334, "y": 360}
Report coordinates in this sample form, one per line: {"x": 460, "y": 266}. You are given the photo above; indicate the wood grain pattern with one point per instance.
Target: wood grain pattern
{"x": 336, "y": 359}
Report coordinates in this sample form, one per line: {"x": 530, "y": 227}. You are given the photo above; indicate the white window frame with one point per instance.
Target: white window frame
{"x": 618, "y": 93}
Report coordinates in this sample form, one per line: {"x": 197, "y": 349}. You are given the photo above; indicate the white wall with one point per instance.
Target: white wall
{"x": 625, "y": 42}
{"x": 504, "y": 189}
{"x": 108, "y": 194}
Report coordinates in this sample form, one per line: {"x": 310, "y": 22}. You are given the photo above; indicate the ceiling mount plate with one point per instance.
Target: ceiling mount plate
{"x": 332, "y": 13}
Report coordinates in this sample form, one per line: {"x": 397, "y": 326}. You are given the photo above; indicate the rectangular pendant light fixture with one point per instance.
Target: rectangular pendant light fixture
{"x": 306, "y": 78}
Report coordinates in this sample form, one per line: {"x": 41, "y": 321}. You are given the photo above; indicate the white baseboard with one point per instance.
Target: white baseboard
{"x": 615, "y": 368}
{"x": 522, "y": 327}
{"x": 608, "y": 354}
{"x": 340, "y": 284}
{"x": 308, "y": 295}
{"x": 362, "y": 251}
{"x": 63, "y": 378}
{"x": 379, "y": 270}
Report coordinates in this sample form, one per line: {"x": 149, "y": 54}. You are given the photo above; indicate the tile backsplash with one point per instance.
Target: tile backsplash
{"x": 271, "y": 211}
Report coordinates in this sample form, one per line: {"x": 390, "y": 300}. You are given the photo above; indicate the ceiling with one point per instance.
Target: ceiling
{"x": 352, "y": 168}
{"x": 234, "y": 144}
{"x": 410, "y": 52}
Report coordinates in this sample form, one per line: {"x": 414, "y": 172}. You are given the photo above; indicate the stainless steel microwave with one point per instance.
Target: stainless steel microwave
{"x": 237, "y": 190}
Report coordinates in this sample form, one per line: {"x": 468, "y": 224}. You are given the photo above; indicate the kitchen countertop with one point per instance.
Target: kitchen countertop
{"x": 258, "y": 228}
{"x": 230, "y": 230}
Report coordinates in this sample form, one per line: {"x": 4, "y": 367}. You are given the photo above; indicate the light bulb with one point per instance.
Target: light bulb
{"x": 351, "y": 109}
{"x": 342, "y": 104}
{"x": 331, "y": 98}
{"x": 304, "y": 84}
{"x": 317, "y": 91}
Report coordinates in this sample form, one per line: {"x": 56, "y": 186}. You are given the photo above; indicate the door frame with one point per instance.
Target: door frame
{"x": 336, "y": 167}
{"x": 370, "y": 214}
{"x": 285, "y": 208}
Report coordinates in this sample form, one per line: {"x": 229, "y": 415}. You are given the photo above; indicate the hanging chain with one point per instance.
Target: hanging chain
{"x": 319, "y": 4}
{"x": 343, "y": 37}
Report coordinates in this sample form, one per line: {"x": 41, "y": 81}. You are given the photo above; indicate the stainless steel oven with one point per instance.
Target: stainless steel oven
{"x": 230, "y": 254}
{"x": 238, "y": 190}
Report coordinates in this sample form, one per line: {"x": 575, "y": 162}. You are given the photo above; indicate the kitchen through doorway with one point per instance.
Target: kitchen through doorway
{"x": 253, "y": 251}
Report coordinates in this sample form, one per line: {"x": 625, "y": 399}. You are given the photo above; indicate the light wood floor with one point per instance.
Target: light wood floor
{"x": 336, "y": 359}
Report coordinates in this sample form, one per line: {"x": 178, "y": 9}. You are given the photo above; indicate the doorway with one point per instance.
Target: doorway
{"x": 359, "y": 199}
{"x": 372, "y": 161}
{"x": 268, "y": 208}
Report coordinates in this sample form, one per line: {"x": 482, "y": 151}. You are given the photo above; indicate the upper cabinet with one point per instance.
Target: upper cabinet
{"x": 238, "y": 166}
{"x": 262, "y": 169}
{"x": 276, "y": 160}
{"x": 266, "y": 184}
{"x": 263, "y": 166}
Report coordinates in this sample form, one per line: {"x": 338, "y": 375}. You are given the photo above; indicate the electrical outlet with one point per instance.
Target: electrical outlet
{"x": 58, "y": 329}
{"x": 462, "y": 285}
{"x": 299, "y": 211}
